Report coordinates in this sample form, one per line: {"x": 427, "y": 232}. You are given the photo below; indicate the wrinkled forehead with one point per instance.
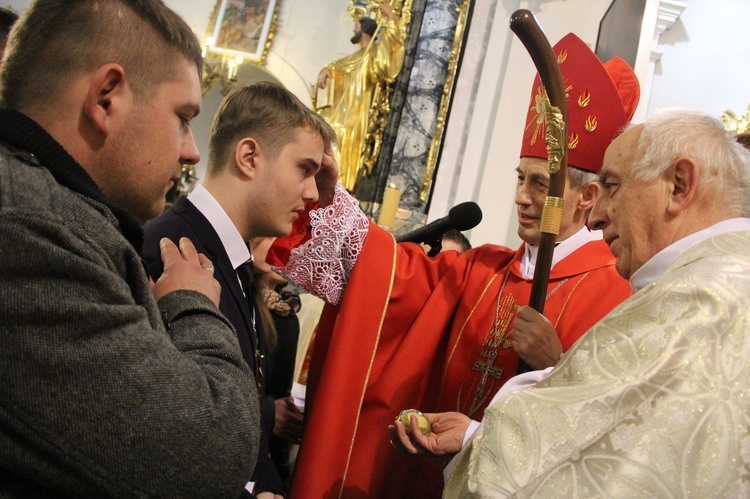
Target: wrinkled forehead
{"x": 621, "y": 154}
{"x": 529, "y": 165}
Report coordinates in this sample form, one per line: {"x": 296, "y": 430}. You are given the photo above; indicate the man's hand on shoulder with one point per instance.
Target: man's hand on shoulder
{"x": 185, "y": 268}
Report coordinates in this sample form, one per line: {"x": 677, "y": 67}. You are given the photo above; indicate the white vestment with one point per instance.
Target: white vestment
{"x": 654, "y": 401}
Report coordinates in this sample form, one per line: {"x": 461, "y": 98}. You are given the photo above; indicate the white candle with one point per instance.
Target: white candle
{"x": 388, "y": 208}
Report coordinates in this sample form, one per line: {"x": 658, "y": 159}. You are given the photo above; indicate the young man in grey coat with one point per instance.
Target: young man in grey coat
{"x": 111, "y": 385}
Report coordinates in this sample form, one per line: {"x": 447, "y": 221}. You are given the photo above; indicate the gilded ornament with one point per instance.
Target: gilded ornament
{"x": 738, "y": 125}
{"x": 551, "y": 215}
{"x": 539, "y": 108}
{"x": 555, "y": 137}
{"x": 562, "y": 56}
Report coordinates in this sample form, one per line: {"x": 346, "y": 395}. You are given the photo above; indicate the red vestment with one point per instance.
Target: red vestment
{"x": 409, "y": 333}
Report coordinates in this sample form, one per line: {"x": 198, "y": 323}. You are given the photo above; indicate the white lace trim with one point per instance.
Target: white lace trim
{"x": 323, "y": 264}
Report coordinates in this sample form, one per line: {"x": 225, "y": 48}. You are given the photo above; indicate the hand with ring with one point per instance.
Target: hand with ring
{"x": 185, "y": 268}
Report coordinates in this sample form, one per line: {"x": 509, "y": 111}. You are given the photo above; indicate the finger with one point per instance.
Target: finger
{"x": 189, "y": 253}
{"x": 400, "y": 438}
{"x": 418, "y": 439}
{"x": 206, "y": 262}
{"x": 169, "y": 252}
{"x": 295, "y": 420}
{"x": 527, "y": 313}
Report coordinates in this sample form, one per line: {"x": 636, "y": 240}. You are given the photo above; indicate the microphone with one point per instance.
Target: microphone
{"x": 463, "y": 216}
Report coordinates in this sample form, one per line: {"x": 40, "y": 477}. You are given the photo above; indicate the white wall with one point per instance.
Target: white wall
{"x": 704, "y": 64}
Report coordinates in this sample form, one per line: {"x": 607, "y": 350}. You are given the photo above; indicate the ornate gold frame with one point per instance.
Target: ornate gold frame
{"x": 445, "y": 100}
{"x": 265, "y": 38}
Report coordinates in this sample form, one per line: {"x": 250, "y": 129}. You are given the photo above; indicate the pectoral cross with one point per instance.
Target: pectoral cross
{"x": 497, "y": 338}
{"x": 487, "y": 369}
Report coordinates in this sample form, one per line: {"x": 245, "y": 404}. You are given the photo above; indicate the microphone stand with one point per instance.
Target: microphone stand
{"x": 435, "y": 247}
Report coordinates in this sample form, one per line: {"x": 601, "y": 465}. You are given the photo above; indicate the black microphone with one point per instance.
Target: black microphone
{"x": 463, "y": 216}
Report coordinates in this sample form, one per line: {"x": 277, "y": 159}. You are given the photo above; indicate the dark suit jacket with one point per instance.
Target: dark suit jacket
{"x": 184, "y": 220}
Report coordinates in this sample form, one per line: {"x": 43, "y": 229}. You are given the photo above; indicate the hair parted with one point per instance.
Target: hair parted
{"x": 268, "y": 113}
{"x": 682, "y": 133}
{"x": 56, "y": 40}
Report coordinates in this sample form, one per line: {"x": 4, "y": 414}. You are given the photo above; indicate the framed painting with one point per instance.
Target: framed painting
{"x": 244, "y": 28}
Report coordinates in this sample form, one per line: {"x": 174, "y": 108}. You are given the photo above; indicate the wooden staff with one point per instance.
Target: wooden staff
{"x": 524, "y": 25}
{"x": 526, "y": 28}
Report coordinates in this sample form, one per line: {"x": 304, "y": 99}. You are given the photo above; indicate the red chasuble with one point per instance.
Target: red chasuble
{"x": 414, "y": 332}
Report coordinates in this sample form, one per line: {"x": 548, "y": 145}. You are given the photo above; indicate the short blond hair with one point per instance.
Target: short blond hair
{"x": 268, "y": 113}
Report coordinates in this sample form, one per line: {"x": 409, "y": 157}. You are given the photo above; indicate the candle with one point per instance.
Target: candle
{"x": 388, "y": 208}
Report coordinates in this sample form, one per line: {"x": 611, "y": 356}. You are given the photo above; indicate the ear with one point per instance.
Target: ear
{"x": 107, "y": 93}
{"x": 682, "y": 179}
{"x": 246, "y": 154}
{"x": 589, "y": 195}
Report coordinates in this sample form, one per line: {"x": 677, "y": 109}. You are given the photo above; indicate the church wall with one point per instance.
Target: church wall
{"x": 704, "y": 64}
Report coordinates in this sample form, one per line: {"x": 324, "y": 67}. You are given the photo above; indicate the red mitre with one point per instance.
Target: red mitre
{"x": 601, "y": 100}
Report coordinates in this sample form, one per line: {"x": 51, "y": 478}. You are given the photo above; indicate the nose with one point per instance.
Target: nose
{"x": 310, "y": 191}
{"x": 598, "y": 218}
{"x": 522, "y": 195}
{"x": 189, "y": 154}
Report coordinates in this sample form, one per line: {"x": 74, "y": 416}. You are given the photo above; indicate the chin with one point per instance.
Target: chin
{"x": 624, "y": 273}
{"x": 282, "y": 231}
{"x": 529, "y": 238}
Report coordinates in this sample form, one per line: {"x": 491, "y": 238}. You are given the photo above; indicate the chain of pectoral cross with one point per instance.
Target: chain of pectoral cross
{"x": 496, "y": 339}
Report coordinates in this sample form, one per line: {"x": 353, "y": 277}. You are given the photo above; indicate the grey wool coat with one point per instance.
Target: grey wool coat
{"x": 103, "y": 391}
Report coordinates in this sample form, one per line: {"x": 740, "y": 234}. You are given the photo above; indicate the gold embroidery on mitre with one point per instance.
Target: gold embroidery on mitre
{"x": 562, "y": 56}
{"x": 591, "y": 123}
{"x": 573, "y": 141}
{"x": 538, "y": 108}
{"x": 584, "y": 99}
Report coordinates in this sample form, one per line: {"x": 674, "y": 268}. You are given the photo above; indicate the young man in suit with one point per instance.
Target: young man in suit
{"x": 264, "y": 152}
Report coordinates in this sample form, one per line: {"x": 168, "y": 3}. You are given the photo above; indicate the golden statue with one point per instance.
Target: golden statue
{"x": 355, "y": 101}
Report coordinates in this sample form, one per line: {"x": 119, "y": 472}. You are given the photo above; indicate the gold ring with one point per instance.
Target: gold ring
{"x": 210, "y": 269}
